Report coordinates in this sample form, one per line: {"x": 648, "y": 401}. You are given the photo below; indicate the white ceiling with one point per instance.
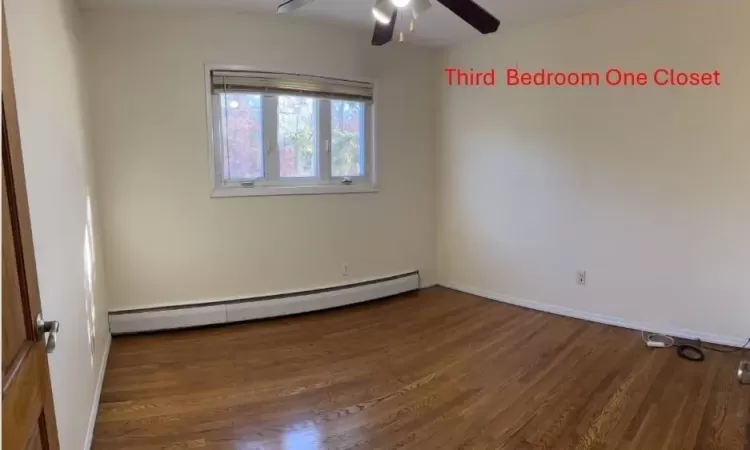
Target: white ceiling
{"x": 437, "y": 27}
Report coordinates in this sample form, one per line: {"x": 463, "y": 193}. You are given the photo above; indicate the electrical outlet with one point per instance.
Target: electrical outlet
{"x": 345, "y": 270}
{"x": 581, "y": 277}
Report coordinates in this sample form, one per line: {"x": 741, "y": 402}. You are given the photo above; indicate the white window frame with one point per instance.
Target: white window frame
{"x": 324, "y": 183}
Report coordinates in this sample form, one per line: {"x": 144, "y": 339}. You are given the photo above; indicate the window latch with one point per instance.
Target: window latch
{"x": 247, "y": 183}
{"x": 346, "y": 181}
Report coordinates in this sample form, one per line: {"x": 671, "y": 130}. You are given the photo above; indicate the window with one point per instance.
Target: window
{"x": 276, "y": 134}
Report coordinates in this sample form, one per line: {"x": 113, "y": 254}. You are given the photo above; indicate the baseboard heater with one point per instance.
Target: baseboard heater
{"x": 239, "y": 310}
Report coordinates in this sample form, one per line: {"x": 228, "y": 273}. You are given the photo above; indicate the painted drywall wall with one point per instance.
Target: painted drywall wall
{"x": 167, "y": 241}
{"x": 57, "y": 163}
{"x": 646, "y": 188}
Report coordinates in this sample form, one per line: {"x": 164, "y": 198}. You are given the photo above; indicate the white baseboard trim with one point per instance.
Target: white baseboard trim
{"x": 731, "y": 341}
{"x": 97, "y": 395}
{"x": 237, "y": 310}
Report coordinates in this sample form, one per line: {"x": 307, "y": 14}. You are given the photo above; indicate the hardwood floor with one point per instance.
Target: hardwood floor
{"x": 434, "y": 370}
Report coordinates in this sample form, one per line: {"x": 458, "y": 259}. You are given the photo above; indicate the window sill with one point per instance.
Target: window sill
{"x": 260, "y": 191}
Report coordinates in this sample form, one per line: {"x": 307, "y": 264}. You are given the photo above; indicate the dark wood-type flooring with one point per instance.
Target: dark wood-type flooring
{"x": 437, "y": 369}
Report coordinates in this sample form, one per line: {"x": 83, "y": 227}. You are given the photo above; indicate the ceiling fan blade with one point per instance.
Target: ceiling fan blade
{"x": 382, "y": 34}
{"x": 290, "y": 5}
{"x": 473, "y": 14}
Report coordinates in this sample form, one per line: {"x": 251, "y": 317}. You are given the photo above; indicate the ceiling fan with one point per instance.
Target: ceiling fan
{"x": 386, "y": 11}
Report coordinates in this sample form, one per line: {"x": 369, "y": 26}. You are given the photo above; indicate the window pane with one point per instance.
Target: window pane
{"x": 297, "y": 137}
{"x": 243, "y": 118}
{"x": 347, "y": 138}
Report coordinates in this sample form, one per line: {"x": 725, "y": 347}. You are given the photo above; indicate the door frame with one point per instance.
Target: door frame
{"x": 14, "y": 187}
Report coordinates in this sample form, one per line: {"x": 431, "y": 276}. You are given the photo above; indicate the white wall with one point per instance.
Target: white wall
{"x": 167, "y": 241}
{"x": 646, "y": 188}
{"x": 57, "y": 161}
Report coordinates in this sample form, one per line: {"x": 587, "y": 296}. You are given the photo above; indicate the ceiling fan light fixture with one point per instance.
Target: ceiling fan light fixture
{"x": 386, "y": 15}
{"x": 382, "y": 11}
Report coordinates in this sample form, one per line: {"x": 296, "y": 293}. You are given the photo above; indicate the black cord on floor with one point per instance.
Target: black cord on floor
{"x": 695, "y": 352}
{"x": 713, "y": 349}
{"x": 690, "y": 352}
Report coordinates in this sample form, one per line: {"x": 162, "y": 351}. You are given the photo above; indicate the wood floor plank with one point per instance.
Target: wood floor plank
{"x": 438, "y": 369}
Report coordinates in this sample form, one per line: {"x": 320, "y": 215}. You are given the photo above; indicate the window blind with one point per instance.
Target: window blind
{"x": 290, "y": 84}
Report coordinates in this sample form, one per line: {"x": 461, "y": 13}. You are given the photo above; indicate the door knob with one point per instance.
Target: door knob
{"x": 48, "y": 326}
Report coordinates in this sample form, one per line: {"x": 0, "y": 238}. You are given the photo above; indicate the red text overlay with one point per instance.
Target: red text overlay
{"x": 611, "y": 77}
